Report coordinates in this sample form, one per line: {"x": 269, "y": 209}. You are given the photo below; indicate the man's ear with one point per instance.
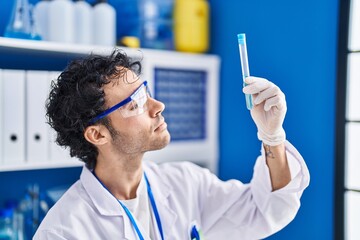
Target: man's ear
{"x": 97, "y": 134}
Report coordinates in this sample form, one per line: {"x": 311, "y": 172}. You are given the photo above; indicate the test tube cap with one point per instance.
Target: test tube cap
{"x": 241, "y": 38}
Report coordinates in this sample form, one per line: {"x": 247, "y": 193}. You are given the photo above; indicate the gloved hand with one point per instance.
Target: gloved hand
{"x": 268, "y": 111}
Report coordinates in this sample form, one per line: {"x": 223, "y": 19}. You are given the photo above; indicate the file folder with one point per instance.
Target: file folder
{"x": 13, "y": 137}
{"x": 37, "y": 137}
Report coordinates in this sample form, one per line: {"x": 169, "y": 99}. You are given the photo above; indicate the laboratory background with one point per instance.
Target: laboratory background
{"x": 310, "y": 49}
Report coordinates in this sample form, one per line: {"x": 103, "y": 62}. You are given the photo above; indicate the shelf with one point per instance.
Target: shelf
{"x": 22, "y": 44}
{"x": 41, "y": 165}
{"x": 38, "y": 55}
{"x": 14, "y": 45}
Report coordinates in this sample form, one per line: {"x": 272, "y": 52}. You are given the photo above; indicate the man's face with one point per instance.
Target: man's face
{"x": 135, "y": 134}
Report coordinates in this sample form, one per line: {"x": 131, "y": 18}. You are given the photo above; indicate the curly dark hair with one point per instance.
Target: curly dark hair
{"x": 77, "y": 96}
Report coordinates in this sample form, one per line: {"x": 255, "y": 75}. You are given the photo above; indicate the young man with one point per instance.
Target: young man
{"x": 105, "y": 114}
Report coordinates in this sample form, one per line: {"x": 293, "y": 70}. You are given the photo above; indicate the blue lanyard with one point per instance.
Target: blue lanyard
{"x": 153, "y": 204}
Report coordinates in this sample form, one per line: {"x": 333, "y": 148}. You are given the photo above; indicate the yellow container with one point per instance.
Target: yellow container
{"x": 191, "y": 26}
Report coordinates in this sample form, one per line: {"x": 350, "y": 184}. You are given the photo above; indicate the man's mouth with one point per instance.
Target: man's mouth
{"x": 161, "y": 126}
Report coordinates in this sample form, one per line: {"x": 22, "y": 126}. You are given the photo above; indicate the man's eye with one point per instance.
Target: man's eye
{"x": 134, "y": 106}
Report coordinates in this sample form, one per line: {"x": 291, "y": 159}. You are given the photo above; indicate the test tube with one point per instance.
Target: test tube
{"x": 245, "y": 67}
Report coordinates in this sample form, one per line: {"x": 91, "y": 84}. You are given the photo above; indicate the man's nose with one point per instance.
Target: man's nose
{"x": 155, "y": 107}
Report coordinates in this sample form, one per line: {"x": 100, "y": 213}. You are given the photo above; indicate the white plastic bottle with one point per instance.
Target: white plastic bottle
{"x": 104, "y": 20}
{"x": 61, "y": 21}
{"x": 83, "y": 22}
{"x": 41, "y": 21}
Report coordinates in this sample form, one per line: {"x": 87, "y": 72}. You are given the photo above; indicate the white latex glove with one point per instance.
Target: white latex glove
{"x": 268, "y": 111}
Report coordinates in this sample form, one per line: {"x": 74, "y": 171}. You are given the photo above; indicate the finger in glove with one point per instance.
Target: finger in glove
{"x": 275, "y": 101}
{"x": 270, "y": 92}
{"x": 256, "y": 85}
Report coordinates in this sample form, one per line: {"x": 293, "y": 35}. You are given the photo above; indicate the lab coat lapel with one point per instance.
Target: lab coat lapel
{"x": 105, "y": 202}
{"x": 162, "y": 195}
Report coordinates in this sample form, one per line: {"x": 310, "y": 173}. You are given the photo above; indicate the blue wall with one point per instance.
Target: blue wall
{"x": 292, "y": 43}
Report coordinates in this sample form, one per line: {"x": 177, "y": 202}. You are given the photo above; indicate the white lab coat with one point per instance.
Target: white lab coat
{"x": 185, "y": 194}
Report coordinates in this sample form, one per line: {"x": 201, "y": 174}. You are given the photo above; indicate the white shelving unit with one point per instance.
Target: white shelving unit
{"x": 202, "y": 150}
{"x": 19, "y": 45}
{"x": 42, "y": 165}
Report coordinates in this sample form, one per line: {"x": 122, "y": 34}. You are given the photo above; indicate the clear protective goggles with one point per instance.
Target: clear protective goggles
{"x": 134, "y": 105}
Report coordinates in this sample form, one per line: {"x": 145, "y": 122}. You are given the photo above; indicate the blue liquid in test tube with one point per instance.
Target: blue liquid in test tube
{"x": 245, "y": 67}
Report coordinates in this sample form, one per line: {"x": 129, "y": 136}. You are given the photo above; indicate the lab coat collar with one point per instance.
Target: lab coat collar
{"x": 103, "y": 200}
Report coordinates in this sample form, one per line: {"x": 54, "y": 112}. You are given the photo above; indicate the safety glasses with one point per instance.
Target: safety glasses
{"x": 131, "y": 106}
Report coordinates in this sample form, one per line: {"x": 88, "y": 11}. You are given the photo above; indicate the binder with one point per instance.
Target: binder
{"x": 58, "y": 154}
{"x": 37, "y": 137}
{"x": 13, "y": 137}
